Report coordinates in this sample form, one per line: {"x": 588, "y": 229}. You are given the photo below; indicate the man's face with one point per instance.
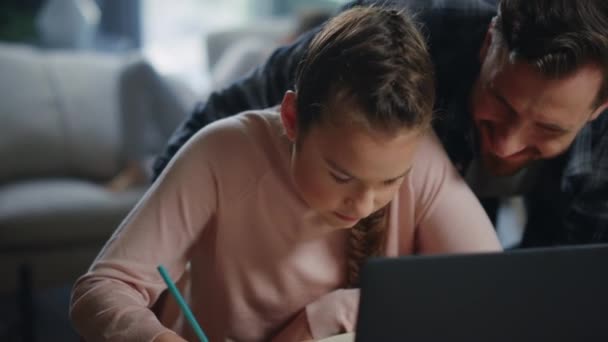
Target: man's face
{"x": 522, "y": 115}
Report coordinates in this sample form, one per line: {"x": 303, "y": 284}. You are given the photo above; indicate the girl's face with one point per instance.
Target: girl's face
{"x": 345, "y": 170}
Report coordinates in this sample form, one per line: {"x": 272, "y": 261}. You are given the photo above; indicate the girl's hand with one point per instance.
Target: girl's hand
{"x": 334, "y": 313}
{"x": 169, "y": 337}
{"x": 296, "y": 330}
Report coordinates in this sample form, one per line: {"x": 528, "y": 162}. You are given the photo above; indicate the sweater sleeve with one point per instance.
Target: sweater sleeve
{"x": 112, "y": 301}
{"x": 449, "y": 218}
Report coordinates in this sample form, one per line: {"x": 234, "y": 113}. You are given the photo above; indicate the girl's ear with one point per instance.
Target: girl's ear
{"x": 289, "y": 115}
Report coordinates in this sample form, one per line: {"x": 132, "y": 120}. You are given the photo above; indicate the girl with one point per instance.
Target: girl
{"x": 274, "y": 211}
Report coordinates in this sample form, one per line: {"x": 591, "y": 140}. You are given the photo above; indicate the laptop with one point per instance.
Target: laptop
{"x": 556, "y": 294}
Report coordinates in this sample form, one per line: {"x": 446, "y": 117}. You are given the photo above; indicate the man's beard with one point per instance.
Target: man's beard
{"x": 500, "y": 168}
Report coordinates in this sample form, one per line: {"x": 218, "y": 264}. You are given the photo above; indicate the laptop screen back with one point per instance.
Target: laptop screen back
{"x": 558, "y": 294}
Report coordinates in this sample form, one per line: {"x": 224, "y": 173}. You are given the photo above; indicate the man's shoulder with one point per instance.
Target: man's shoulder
{"x": 429, "y": 4}
{"x": 599, "y": 146}
{"x": 585, "y": 164}
{"x": 428, "y": 11}
{"x": 455, "y": 31}
{"x": 599, "y": 128}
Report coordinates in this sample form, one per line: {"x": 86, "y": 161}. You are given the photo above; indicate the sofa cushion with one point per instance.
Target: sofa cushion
{"x": 87, "y": 87}
{"x": 59, "y": 114}
{"x": 32, "y": 130}
{"x": 64, "y": 212}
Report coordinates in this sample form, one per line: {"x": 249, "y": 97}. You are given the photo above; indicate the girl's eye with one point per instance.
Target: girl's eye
{"x": 390, "y": 182}
{"x": 339, "y": 179}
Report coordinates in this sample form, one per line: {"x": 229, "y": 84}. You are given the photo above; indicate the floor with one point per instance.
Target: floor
{"x": 51, "y": 323}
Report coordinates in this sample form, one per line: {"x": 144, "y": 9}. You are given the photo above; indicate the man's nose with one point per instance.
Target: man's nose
{"x": 508, "y": 141}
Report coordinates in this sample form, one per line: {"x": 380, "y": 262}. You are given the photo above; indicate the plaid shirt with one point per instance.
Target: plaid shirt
{"x": 569, "y": 205}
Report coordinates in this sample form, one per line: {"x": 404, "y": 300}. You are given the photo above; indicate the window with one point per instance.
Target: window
{"x": 174, "y": 32}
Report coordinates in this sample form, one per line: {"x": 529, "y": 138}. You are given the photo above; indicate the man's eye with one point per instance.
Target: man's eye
{"x": 553, "y": 131}
{"x": 339, "y": 179}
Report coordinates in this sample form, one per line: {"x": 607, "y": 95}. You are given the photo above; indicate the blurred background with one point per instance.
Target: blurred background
{"x": 90, "y": 91}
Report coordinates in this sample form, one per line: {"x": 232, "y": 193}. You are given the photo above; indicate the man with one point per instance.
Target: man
{"x": 521, "y": 94}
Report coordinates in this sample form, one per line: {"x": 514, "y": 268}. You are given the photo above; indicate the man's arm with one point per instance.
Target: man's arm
{"x": 262, "y": 88}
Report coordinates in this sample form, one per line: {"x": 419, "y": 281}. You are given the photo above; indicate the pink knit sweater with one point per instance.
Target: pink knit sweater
{"x": 257, "y": 254}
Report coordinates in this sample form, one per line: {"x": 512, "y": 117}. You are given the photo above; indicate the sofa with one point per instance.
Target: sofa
{"x": 69, "y": 122}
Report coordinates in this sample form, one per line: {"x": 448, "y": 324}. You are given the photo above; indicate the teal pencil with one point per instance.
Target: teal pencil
{"x": 182, "y": 304}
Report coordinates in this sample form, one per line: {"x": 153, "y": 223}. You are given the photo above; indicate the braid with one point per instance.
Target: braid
{"x": 366, "y": 239}
{"x": 398, "y": 33}
{"x": 393, "y": 90}
{"x": 393, "y": 84}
